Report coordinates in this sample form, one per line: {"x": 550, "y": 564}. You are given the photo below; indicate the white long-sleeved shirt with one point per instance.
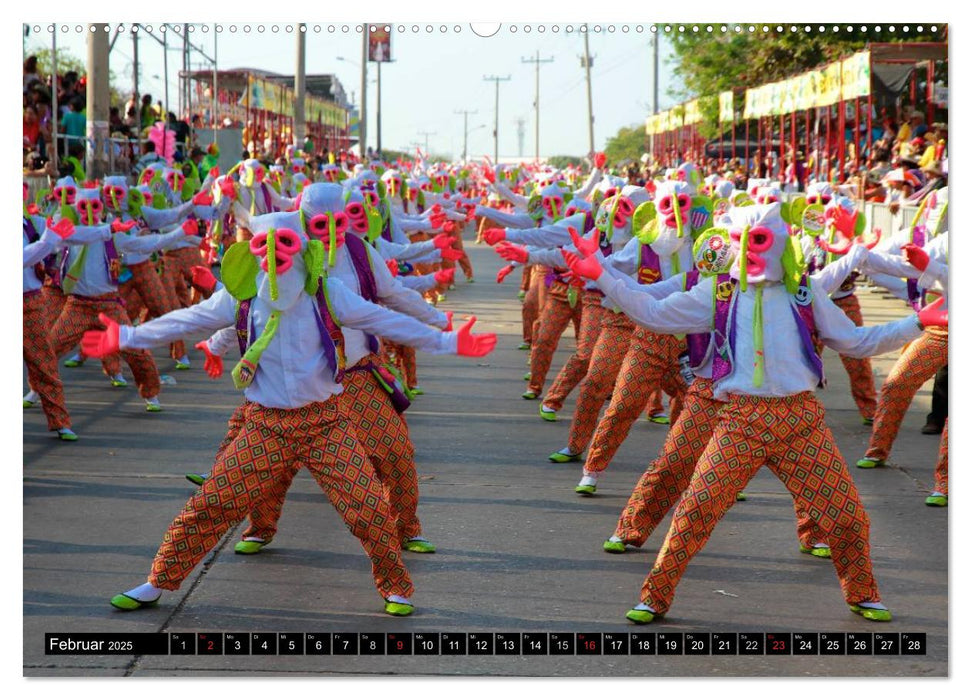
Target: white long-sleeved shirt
{"x": 93, "y": 280}
{"x": 510, "y": 220}
{"x": 35, "y": 252}
{"x": 293, "y": 370}
{"x": 787, "y": 369}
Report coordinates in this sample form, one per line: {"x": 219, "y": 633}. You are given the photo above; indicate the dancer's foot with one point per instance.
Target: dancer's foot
{"x": 937, "y": 499}
{"x": 527, "y": 376}
{"x": 143, "y": 596}
{"x": 932, "y": 428}
{"x": 197, "y": 479}
{"x": 416, "y": 390}
{"x": 521, "y": 295}
{"x": 820, "y": 549}
{"x": 419, "y": 545}
{"x": 740, "y": 496}
{"x": 867, "y": 421}
{"x": 74, "y": 361}
{"x": 523, "y": 346}
{"x": 530, "y": 395}
{"x": 641, "y": 614}
{"x": 67, "y": 435}
{"x": 118, "y": 380}
{"x": 470, "y": 280}
{"x": 398, "y": 605}
{"x": 183, "y": 363}
{"x": 152, "y": 405}
{"x": 547, "y": 413}
{"x": 872, "y": 611}
{"x": 563, "y": 456}
{"x": 250, "y": 545}
{"x": 31, "y": 398}
{"x": 660, "y": 419}
{"x": 587, "y": 485}
{"x": 615, "y": 545}
{"x": 870, "y": 463}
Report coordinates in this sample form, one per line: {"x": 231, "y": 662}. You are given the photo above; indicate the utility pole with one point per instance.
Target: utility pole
{"x": 165, "y": 64}
{"x": 426, "y": 134}
{"x": 521, "y": 134}
{"x": 657, "y": 39}
{"x": 300, "y": 88}
{"x": 134, "y": 70}
{"x": 465, "y": 142}
{"x": 379, "y": 106}
{"x": 98, "y": 102}
{"x": 362, "y": 124}
{"x": 186, "y": 67}
{"x": 495, "y": 131}
{"x": 586, "y": 61}
{"x": 215, "y": 80}
{"x": 537, "y": 61}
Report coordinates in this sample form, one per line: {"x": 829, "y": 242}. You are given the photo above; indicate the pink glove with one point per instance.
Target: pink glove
{"x": 916, "y": 256}
{"x": 504, "y": 273}
{"x": 437, "y": 219}
{"x": 190, "y": 227}
{"x": 442, "y": 241}
{"x": 213, "y": 364}
{"x": 588, "y": 268}
{"x": 63, "y": 228}
{"x": 445, "y": 277}
{"x": 494, "y": 235}
{"x": 101, "y": 343}
{"x": 203, "y": 199}
{"x": 451, "y": 254}
{"x": 214, "y": 171}
{"x": 512, "y": 252}
{"x": 448, "y": 315}
{"x": 228, "y": 189}
{"x": 489, "y": 175}
{"x": 449, "y": 227}
{"x": 933, "y": 315}
{"x": 203, "y": 278}
{"x": 392, "y": 267}
{"x": 33, "y": 209}
{"x": 586, "y": 246}
{"x": 118, "y": 227}
{"x": 470, "y": 345}
{"x": 599, "y": 160}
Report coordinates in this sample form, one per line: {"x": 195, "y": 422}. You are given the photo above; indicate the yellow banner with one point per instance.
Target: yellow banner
{"x": 692, "y": 112}
{"x": 726, "y": 107}
{"x": 830, "y": 86}
{"x": 855, "y": 74}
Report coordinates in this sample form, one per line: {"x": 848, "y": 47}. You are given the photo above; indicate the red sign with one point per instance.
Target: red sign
{"x": 379, "y": 43}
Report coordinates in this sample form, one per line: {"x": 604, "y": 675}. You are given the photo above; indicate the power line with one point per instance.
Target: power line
{"x": 537, "y": 61}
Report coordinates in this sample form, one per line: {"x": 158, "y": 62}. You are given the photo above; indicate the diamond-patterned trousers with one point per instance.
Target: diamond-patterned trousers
{"x": 42, "y": 362}
{"x": 553, "y": 320}
{"x": 940, "y": 473}
{"x": 857, "y": 368}
{"x": 270, "y": 443}
{"x": 576, "y": 367}
{"x": 790, "y": 434}
{"x": 146, "y": 290}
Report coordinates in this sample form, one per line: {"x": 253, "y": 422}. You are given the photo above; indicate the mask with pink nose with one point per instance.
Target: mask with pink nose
{"x": 89, "y": 207}
{"x": 672, "y": 201}
{"x": 323, "y": 216}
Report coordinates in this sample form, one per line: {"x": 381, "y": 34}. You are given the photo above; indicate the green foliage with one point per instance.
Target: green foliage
{"x": 628, "y": 144}
{"x": 564, "y": 161}
{"x": 66, "y": 61}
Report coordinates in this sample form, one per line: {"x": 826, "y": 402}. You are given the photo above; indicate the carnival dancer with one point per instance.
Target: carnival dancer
{"x": 772, "y": 415}
{"x": 289, "y": 316}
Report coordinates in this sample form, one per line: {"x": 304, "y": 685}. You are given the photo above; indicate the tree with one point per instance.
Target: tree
{"x": 66, "y": 62}
{"x": 628, "y": 144}
{"x": 561, "y": 162}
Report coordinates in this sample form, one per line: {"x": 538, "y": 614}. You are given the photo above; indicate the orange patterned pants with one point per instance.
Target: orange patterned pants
{"x": 80, "y": 314}
{"x": 940, "y": 473}
{"x": 789, "y": 434}
{"x": 383, "y": 435}
{"x": 608, "y": 355}
{"x": 534, "y": 302}
{"x": 917, "y": 364}
{"x": 458, "y": 244}
{"x": 668, "y": 476}
{"x": 553, "y": 320}
{"x": 54, "y": 300}
{"x": 146, "y": 291}
{"x": 404, "y": 360}
{"x": 177, "y": 275}
{"x": 651, "y": 361}
{"x": 271, "y": 444}
{"x": 857, "y": 368}
{"x": 42, "y": 362}
{"x": 576, "y": 367}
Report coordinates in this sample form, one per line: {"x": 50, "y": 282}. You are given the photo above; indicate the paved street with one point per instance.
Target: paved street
{"x": 518, "y": 550}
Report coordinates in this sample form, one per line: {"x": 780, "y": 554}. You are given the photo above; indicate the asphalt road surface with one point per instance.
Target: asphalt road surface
{"x": 518, "y": 550}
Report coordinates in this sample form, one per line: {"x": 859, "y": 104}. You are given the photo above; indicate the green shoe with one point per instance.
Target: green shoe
{"x": 69, "y": 436}
{"x": 869, "y": 463}
{"x": 29, "y": 404}
{"x": 420, "y": 546}
{"x": 417, "y": 390}
{"x": 127, "y": 603}
{"x": 183, "y": 365}
{"x": 119, "y": 382}
{"x": 442, "y": 297}
{"x": 821, "y": 552}
{"x": 872, "y": 614}
{"x": 867, "y": 421}
{"x": 641, "y": 617}
{"x": 398, "y": 609}
{"x": 547, "y": 414}
{"x": 527, "y": 376}
{"x": 153, "y": 408}
{"x": 939, "y": 501}
{"x": 73, "y": 363}
{"x": 197, "y": 479}
{"x": 614, "y": 547}
{"x": 249, "y": 547}
{"x": 523, "y": 346}
{"x": 740, "y": 496}
{"x": 660, "y": 419}
{"x": 521, "y": 295}
{"x": 470, "y": 280}
{"x": 530, "y": 395}
{"x": 561, "y": 458}
{"x": 586, "y": 490}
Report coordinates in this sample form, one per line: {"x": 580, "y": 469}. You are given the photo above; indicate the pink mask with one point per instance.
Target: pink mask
{"x": 287, "y": 244}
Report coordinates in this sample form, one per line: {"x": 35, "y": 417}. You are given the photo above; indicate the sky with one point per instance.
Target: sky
{"x": 436, "y": 74}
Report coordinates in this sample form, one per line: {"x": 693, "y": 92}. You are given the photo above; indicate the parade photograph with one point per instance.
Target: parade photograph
{"x": 436, "y": 348}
